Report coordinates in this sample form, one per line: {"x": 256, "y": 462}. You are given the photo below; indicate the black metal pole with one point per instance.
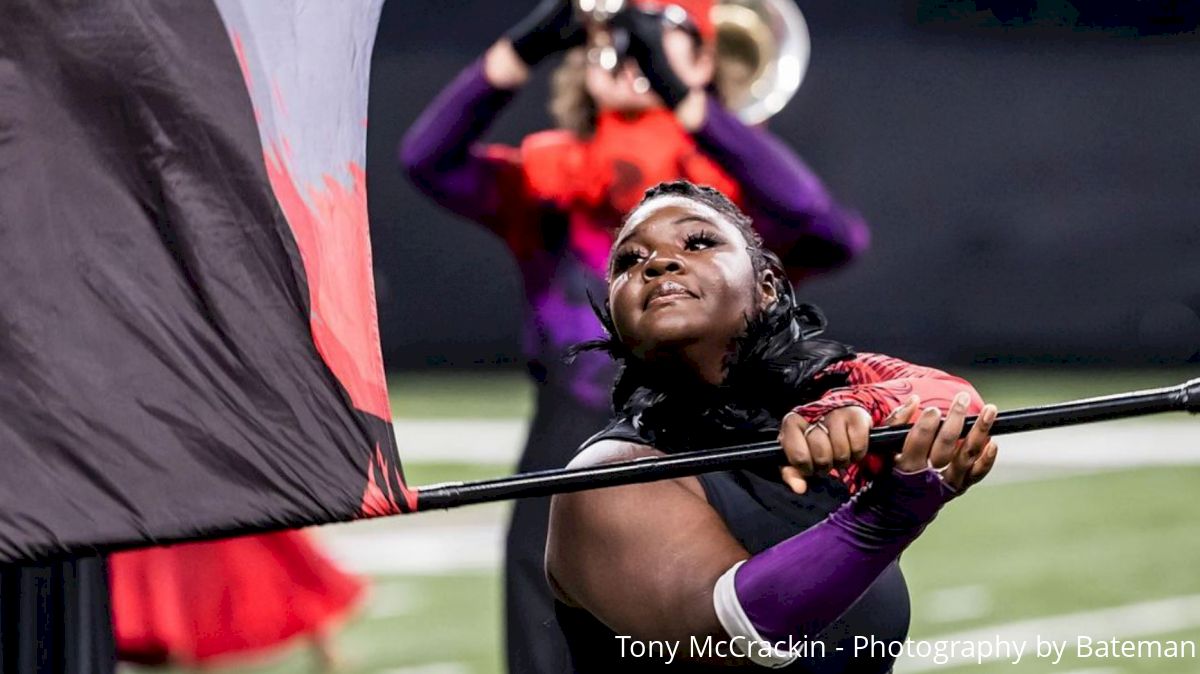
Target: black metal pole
{"x": 1184, "y": 397}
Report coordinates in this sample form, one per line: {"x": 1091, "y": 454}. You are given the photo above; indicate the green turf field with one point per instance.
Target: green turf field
{"x": 1007, "y": 554}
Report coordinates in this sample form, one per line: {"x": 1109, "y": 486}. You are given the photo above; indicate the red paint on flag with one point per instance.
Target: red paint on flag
{"x": 330, "y": 227}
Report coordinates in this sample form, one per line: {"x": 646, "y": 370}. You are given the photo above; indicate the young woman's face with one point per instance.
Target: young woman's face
{"x": 681, "y": 276}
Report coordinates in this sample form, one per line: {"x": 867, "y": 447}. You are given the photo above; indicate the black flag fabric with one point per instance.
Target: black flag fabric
{"x": 188, "y": 336}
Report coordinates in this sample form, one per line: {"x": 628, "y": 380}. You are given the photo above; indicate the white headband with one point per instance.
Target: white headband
{"x": 664, "y": 201}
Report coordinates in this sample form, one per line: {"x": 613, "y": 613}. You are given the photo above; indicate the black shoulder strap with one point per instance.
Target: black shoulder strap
{"x": 620, "y": 428}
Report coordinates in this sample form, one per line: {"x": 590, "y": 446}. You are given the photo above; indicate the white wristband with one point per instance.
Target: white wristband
{"x": 738, "y": 626}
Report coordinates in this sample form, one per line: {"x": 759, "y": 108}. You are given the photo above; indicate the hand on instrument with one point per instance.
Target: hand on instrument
{"x": 836, "y": 440}
{"x": 960, "y": 462}
{"x": 550, "y": 28}
{"x": 647, "y": 36}
{"x": 934, "y": 467}
{"x": 840, "y": 438}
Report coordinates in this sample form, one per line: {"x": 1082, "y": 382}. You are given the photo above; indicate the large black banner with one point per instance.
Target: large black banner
{"x": 188, "y": 340}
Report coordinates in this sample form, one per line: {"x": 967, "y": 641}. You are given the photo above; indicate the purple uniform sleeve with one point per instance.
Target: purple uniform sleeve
{"x": 792, "y": 209}
{"x": 800, "y": 586}
{"x": 443, "y": 158}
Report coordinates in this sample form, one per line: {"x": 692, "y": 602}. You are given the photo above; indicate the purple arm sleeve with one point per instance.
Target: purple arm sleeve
{"x": 793, "y": 210}
{"x": 800, "y": 586}
{"x": 439, "y": 152}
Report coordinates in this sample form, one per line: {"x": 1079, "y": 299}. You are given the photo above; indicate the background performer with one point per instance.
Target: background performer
{"x": 557, "y": 199}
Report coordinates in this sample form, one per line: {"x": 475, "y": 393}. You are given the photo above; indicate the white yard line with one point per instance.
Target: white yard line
{"x": 467, "y": 440}
{"x": 1105, "y": 445}
{"x": 1090, "y": 447}
{"x": 439, "y": 550}
{"x": 1145, "y": 619}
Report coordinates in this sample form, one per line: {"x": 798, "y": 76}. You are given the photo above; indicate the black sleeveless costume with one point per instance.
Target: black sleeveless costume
{"x": 760, "y": 511}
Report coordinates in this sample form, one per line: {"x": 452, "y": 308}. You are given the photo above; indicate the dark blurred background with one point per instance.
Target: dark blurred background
{"x": 1029, "y": 169}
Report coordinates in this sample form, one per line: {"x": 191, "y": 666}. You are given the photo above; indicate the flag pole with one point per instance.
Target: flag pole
{"x": 1180, "y": 398}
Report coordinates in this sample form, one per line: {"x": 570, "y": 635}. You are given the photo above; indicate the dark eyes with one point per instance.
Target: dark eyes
{"x": 694, "y": 241}
{"x": 700, "y": 240}
{"x": 625, "y": 259}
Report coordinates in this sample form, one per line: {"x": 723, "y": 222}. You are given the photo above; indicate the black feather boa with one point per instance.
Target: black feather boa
{"x": 774, "y": 366}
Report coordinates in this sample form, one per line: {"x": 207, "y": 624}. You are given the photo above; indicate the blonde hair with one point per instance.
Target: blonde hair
{"x": 574, "y": 109}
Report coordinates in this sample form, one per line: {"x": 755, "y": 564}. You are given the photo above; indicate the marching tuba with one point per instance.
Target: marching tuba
{"x": 762, "y": 49}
